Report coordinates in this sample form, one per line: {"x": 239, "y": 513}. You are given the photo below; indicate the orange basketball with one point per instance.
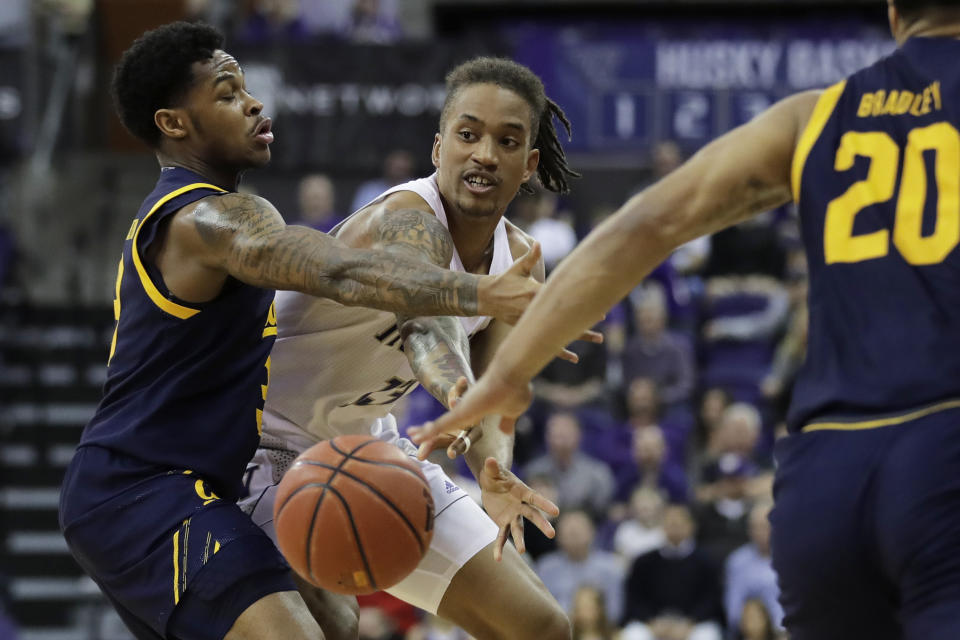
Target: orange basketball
{"x": 353, "y": 515}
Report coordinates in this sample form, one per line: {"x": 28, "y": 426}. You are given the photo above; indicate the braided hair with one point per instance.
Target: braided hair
{"x": 553, "y": 171}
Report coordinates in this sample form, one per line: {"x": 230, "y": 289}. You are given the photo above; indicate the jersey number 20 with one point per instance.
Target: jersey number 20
{"x": 839, "y": 243}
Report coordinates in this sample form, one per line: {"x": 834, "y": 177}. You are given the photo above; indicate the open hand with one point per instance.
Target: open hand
{"x": 508, "y": 501}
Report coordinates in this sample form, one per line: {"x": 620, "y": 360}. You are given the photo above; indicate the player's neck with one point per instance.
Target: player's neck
{"x": 938, "y": 25}
{"x": 220, "y": 177}
{"x": 473, "y": 238}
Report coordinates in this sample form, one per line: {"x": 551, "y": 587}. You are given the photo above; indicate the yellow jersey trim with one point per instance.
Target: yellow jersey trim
{"x": 882, "y": 422}
{"x": 176, "y": 567}
{"x": 818, "y": 120}
{"x": 174, "y": 309}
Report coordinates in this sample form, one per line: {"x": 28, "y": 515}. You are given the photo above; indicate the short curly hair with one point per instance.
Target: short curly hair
{"x": 155, "y": 73}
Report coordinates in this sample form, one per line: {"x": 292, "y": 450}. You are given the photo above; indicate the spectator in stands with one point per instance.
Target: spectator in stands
{"x": 673, "y": 593}
{"x": 551, "y": 228}
{"x": 644, "y": 409}
{"x": 642, "y": 531}
{"x": 724, "y": 505}
{"x": 582, "y": 482}
{"x": 272, "y": 21}
{"x": 589, "y": 616}
{"x": 749, "y": 573}
{"x": 657, "y": 353}
{"x": 369, "y": 23}
{"x": 398, "y": 168}
{"x": 755, "y": 623}
{"x": 434, "y": 628}
{"x": 577, "y": 564}
{"x": 316, "y": 195}
{"x": 713, "y": 402}
{"x": 650, "y": 468}
{"x": 738, "y": 432}
{"x": 538, "y": 544}
{"x": 577, "y": 387}
{"x": 374, "y": 623}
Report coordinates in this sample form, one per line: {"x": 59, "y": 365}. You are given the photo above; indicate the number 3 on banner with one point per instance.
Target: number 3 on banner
{"x": 839, "y": 243}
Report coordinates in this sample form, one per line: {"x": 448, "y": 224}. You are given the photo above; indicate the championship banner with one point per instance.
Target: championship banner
{"x": 345, "y": 106}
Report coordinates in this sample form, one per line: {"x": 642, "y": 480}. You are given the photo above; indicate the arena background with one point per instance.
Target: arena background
{"x": 354, "y": 87}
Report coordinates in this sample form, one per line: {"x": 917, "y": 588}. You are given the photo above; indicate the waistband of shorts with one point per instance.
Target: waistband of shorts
{"x": 861, "y": 423}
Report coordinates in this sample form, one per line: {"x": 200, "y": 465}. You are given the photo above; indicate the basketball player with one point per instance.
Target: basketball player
{"x": 867, "y": 522}
{"x": 148, "y": 505}
{"x": 338, "y": 370}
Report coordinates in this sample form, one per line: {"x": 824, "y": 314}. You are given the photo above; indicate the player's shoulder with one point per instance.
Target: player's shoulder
{"x": 231, "y": 203}
{"x": 364, "y": 225}
{"x": 520, "y": 241}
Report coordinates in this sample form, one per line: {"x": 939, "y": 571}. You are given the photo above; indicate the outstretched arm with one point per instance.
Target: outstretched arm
{"x": 745, "y": 172}
{"x": 440, "y": 355}
{"x": 244, "y": 236}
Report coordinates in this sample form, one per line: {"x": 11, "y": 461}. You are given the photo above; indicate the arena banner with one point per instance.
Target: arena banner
{"x": 629, "y": 84}
{"x": 337, "y": 105}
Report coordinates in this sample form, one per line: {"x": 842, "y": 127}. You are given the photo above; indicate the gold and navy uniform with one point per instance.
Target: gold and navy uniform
{"x": 877, "y": 179}
{"x": 867, "y": 519}
{"x": 148, "y": 503}
{"x": 186, "y": 382}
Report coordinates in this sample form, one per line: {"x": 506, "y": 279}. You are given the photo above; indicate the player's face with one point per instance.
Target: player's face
{"x": 483, "y": 153}
{"x": 227, "y": 123}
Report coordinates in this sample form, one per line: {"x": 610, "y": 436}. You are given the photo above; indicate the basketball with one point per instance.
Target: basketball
{"x": 353, "y": 515}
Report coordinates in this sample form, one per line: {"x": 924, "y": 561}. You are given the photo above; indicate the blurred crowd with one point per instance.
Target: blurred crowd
{"x": 657, "y": 446}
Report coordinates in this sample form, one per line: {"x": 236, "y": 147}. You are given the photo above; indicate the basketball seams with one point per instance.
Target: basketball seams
{"x": 379, "y": 463}
{"x": 379, "y": 494}
{"x": 342, "y": 462}
{"x": 353, "y": 527}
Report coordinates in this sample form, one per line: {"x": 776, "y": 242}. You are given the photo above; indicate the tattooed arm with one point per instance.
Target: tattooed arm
{"x": 437, "y": 348}
{"x": 245, "y": 237}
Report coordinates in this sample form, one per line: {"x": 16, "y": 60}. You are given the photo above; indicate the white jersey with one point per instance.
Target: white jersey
{"x": 338, "y": 370}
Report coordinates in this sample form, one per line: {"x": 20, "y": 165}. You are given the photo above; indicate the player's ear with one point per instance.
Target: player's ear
{"x": 171, "y": 122}
{"x": 533, "y": 161}
{"x": 435, "y": 152}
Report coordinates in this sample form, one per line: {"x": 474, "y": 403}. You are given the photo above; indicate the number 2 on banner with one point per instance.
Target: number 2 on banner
{"x": 839, "y": 243}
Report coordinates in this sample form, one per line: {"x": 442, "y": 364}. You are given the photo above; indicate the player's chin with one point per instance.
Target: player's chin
{"x": 260, "y": 157}
{"x": 480, "y": 207}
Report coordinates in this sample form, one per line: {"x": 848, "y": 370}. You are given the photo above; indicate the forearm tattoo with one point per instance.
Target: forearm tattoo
{"x": 438, "y": 352}
{"x": 256, "y": 247}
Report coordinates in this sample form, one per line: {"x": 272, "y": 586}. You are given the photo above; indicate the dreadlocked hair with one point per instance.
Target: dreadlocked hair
{"x": 553, "y": 171}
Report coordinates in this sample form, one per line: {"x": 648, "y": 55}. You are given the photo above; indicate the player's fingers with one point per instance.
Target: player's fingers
{"x": 569, "y": 356}
{"x": 591, "y": 336}
{"x": 534, "y": 516}
{"x": 501, "y": 540}
{"x": 516, "y": 530}
{"x": 459, "y": 417}
{"x": 531, "y": 497}
{"x": 529, "y": 260}
{"x": 464, "y": 440}
{"x": 458, "y": 389}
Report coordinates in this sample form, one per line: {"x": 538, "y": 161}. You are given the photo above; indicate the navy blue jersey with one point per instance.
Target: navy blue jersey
{"x": 185, "y": 382}
{"x": 877, "y": 177}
